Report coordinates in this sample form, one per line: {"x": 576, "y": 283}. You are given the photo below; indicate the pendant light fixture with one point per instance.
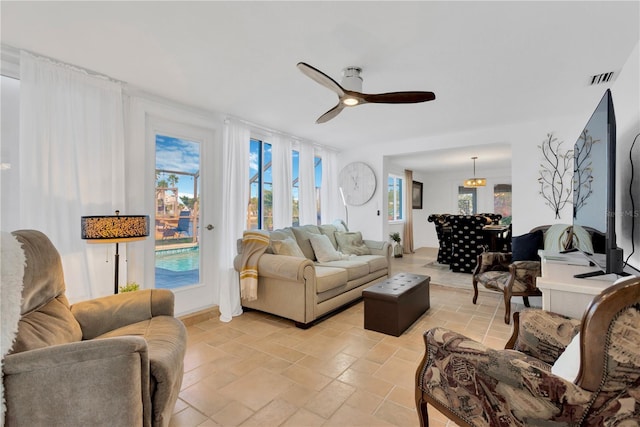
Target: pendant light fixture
{"x": 475, "y": 182}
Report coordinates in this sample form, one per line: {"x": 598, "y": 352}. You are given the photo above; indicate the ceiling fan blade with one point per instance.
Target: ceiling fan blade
{"x": 330, "y": 114}
{"x": 320, "y": 77}
{"x": 399, "y": 97}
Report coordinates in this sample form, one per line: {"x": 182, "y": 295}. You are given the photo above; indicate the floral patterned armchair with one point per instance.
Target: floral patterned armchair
{"x": 496, "y": 271}
{"x": 514, "y": 273}
{"x": 524, "y": 385}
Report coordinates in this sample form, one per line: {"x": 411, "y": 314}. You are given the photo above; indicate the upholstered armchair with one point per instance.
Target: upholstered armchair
{"x": 443, "y": 231}
{"x": 496, "y": 271}
{"x": 547, "y": 375}
{"x": 467, "y": 241}
{"x": 111, "y": 361}
{"x": 514, "y": 273}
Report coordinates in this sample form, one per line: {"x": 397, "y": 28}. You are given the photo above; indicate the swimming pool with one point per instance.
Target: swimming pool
{"x": 177, "y": 267}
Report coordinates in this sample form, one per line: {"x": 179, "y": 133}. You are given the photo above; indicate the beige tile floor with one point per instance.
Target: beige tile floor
{"x": 260, "y": 370}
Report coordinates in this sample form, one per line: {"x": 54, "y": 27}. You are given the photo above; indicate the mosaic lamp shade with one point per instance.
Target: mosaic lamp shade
{"x": 114, "y": 229}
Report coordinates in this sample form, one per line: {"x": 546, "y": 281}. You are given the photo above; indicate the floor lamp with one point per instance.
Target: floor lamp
{"x": 115, "y": 229}
{"x": 344, "y": 202}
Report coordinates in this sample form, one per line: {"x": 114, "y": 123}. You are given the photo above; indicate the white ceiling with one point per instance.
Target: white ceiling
{"x": 489, "y": 63}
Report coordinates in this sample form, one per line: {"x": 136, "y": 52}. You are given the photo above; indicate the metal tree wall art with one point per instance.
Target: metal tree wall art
{"x": 582, "y": 171}
{"x": 555, "y": 178}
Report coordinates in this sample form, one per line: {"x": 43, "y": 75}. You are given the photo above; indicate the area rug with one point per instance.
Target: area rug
{"x": 435, "y": 264}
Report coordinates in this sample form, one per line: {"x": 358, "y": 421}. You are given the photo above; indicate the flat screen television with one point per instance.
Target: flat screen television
{"x": 594, "y": 185}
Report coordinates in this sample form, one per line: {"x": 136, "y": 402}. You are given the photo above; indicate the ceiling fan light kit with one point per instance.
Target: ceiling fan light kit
{"x": 350, "y": 91}
{"x": 475, "y": 182}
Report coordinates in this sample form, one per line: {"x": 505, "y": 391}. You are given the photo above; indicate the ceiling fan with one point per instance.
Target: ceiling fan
{"x": 350, "y": 92}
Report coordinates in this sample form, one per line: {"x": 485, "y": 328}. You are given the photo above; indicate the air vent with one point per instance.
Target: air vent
{"x": 601, "y": 78}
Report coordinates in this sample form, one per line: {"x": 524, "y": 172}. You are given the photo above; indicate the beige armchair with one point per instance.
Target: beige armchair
{"x": 112, "y": 361}
{"x": 530, "y": 382}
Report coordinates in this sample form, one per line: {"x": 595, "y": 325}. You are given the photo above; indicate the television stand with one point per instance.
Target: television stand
{"x": 561, "y": 291}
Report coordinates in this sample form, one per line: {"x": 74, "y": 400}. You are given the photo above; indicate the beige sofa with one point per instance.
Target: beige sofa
{"x": 306, "y": 287}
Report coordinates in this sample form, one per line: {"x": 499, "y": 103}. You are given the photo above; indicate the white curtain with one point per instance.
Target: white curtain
{"x": 307, "y": 196}
{"x": 71, "y": 165}
{"x": 330, "y": 201}
{"x": 235, "y": 198}
{"x": 282, "y": 181}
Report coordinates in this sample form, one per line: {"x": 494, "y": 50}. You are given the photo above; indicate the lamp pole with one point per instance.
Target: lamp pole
{"x": 117, "y": 264}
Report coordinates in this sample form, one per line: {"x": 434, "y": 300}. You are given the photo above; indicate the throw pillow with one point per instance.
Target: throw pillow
{"x": 302, "y": 234}
{"x": 582, "y": 239}
{"x": 351, "y": 243}
{"x": 323, "y": 248}
{"x": 556, "y": 238}
{"x": 568, "y": 364}
{"x": 526, "y": 246}
{"x": 288, "y": 247}
{"x": 330, "y": 231}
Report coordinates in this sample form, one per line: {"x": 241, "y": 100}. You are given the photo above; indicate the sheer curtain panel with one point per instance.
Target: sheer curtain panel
{"x": 235, "y": 197}
{"x": 282, "y": 181}
{"x": 71, "y": 164}
{"x": 331, "y": 206}
{"x": 308, "y": 210}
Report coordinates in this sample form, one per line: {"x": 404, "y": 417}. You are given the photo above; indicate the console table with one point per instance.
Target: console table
{"x": 561, "y": 292}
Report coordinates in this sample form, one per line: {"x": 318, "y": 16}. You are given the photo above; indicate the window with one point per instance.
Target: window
{"x": 295, "y": 187}
{"x": 502, "y": 201}
{"x": 467, "y": 201}
{"x": 317, "y": 169}
{"x": 260, "y": 210}
{"x": 395, "y": 196}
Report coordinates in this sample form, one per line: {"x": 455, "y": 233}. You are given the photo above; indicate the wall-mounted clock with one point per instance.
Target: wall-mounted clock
{"x": 358, "y": 183}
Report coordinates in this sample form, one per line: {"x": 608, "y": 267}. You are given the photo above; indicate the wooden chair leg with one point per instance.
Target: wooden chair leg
{"x": 475, "y": 291}
{"x": 423, "y": 415}
{"x": 507, "y": 307}
{"x": 526, "y": 301}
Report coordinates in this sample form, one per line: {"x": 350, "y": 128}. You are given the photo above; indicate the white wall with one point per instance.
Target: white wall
{"x": 529, "y": 208}
{"x": 440, "y": 195}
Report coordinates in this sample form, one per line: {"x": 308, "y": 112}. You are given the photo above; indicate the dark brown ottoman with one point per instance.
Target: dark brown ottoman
{"x": 392, "y": 306}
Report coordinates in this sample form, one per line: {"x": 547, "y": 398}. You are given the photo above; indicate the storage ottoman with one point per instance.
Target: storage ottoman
{"x": 392, "y": 306}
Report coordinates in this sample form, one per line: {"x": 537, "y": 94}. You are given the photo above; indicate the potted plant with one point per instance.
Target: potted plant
{"x": 130, "y": 287}
{"x": 397, "y": 248}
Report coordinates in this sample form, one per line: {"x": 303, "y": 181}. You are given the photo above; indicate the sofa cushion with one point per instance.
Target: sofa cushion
{"x": 302, "y": 234}
{"x": 495, "y": 279}
{"x": 354, "y": 267}
{"x": 376, "y": 262}
{"x": 329, "y": 278}
{"x": 287, "y": 246}
{"x": 323, "y": 248}
{"x": 351, "y": 243}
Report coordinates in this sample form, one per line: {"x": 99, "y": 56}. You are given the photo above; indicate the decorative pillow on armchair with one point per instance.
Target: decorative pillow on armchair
{"x": 351, "y": 243}
{"x": 525, "y": 247}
